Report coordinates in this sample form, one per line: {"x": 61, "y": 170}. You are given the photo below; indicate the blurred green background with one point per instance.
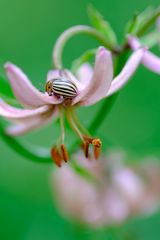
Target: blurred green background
{"x": 28, "y": 30}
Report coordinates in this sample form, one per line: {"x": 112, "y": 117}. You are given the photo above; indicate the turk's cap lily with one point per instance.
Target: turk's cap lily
{"x": 63, "y": 92}
{"x": 93, "y": 84}
{"x": 149, "y": 59}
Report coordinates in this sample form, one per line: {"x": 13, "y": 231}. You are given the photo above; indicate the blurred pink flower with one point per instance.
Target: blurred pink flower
{"x": 150, "y": 60}
{"x": 121, "y": 191}
{"x": 40, "y": 108}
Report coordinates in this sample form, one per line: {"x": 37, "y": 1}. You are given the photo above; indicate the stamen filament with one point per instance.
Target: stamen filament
{"x": 73, "y": 124}
{"x": 80, "y": 126}
{"x": 62, "y": 126}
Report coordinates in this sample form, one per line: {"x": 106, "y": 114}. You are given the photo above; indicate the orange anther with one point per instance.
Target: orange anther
{"x": 86, "y": 149}
{"x": 64, "y": 153}
{"x": 97, "y": 147}
{"x": 56, "y": 156}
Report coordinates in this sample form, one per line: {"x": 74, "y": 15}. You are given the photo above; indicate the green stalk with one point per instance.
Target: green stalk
{"x": 66, "y": 35}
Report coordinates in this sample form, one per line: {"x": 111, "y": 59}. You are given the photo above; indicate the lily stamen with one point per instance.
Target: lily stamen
{"x": 56, "y": 156}
{"x": 64, "y": 153}
{"x": 62, "y": 125}
{"x": 96, "y": 147}
{"x": 96, "y": 142}
{"x": 74, "y": 125}
{"x": 86, "y": 149}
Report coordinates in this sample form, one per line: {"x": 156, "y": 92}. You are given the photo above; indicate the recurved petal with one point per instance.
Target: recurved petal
{"x": 13, "y": 113}
{"x": 73, "y": 79}
{"x": 30, "y": 124}
{"x": 133, "y": 42}
{"x": 149, "y": 60}
{"x": 101, "y": 79}
{"x": 127, "y": 71}
{"x": 85, "y": 73}
{"x": 52, "y": 74}
{"x": 23, "y": 89}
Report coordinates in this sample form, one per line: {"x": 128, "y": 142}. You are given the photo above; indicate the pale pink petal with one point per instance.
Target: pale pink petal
{"x": 149, "y": 60}
{"x": 52, "y": 74}
{"x": 73, "y": 79}
{"x": 30, "y": 124}
{"x": 16, "y": 114}
{"x": 85, "y": 73}
{"x": 128, "y": 70}
{"x": 133, "y": 42}
{"x": 101, "y": 80}
{"x": 23, "y": 89}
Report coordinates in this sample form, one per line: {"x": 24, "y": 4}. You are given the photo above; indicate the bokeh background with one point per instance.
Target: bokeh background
{"x": 28, "y": 30}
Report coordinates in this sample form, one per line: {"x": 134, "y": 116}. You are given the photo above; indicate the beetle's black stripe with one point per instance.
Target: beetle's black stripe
{"x": 69, "y": 94}
{"x": 60, "y": 91}
{"x": 62, "y": 81}
{"x": 61, "y": 84}
{"x": 64, "y": 88}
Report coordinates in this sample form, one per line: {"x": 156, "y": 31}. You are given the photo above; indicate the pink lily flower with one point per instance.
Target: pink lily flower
{"x": 149, "y": 60}
{"x": 63, "y": 92}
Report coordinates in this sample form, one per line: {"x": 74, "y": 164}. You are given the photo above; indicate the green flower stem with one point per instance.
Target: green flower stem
{"x": 66, "y": 35}
{"x": 36, "y": 154}
{"x": 102, "y": 113}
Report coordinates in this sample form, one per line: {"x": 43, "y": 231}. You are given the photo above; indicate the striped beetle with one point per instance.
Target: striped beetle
{"x": 61, "y": 87}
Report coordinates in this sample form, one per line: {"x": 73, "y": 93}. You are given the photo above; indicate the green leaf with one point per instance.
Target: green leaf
{"x": 85, "y": 57}
{"x": 138, "y": 21}
{"x": 148, "y": 21}
{"x": 151, "y": 39}
{"x": 102, "y": 26}
{"x": 141, "y": 22}
{"x": 131, "y": 25}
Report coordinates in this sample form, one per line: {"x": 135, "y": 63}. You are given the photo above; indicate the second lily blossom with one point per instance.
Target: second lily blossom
{"x": 92, "y": 84}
